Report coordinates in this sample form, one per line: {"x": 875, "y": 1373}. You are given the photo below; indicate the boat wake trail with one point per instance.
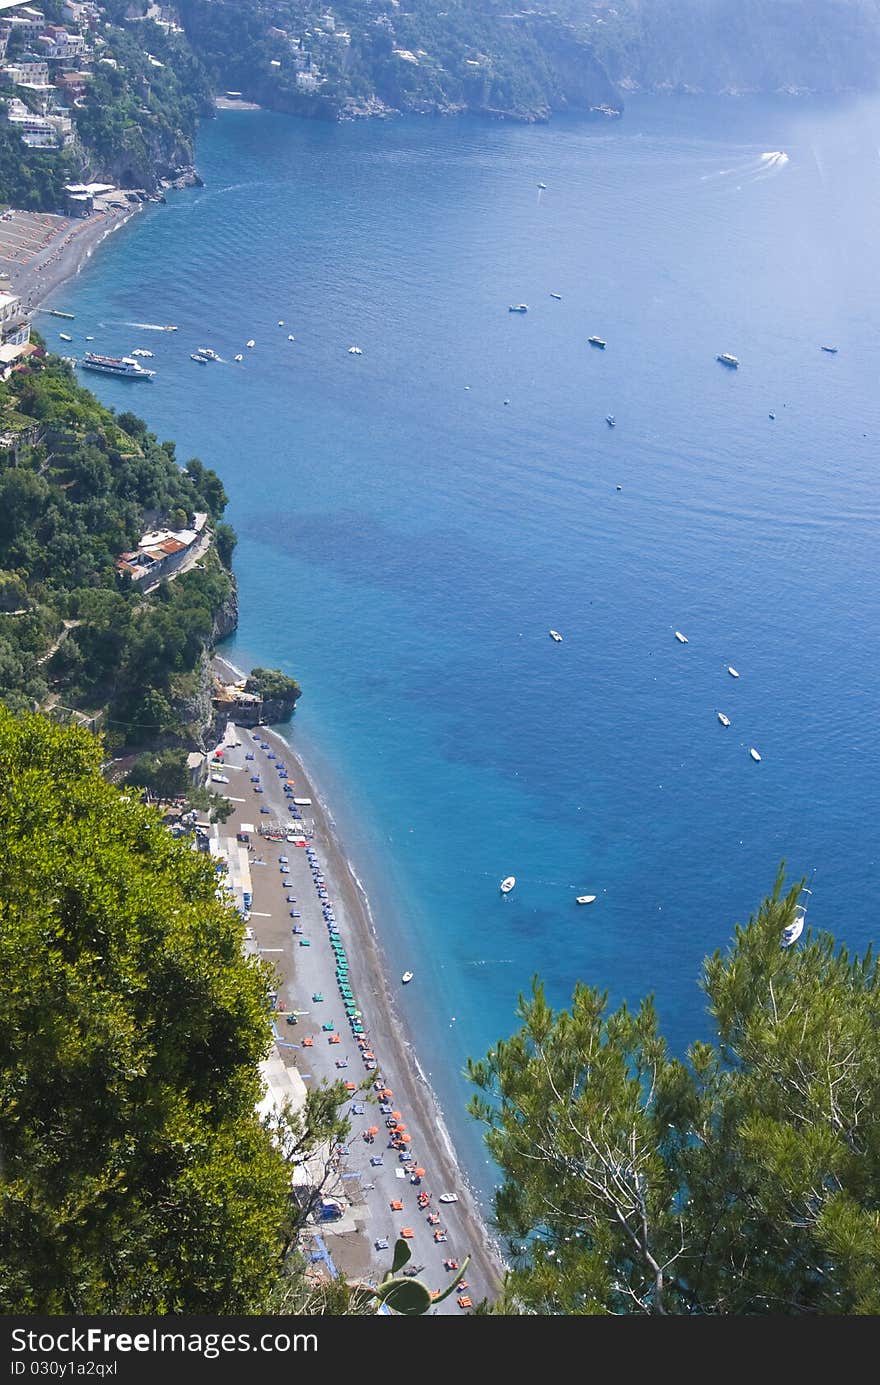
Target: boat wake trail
{"x": 146, "y": 326}
{"x": 753, "y": 169}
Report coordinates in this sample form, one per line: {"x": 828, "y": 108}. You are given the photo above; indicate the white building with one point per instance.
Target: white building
{"x": 15, "y": 330}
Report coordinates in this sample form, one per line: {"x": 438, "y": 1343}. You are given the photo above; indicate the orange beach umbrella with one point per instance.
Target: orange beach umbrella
{"x": 396, "y": 1115}
{"x": 407, "y": 1139}
{"x": 419, "y": 1173}
{"x": 373, "y": 1130}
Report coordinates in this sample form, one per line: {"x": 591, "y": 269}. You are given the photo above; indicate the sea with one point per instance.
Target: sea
{"x": 413, "y": 520}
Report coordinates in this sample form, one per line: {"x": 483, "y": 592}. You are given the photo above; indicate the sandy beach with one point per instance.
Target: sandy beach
{"x": 40, "y": 252}
{"x": 306, "y": 967}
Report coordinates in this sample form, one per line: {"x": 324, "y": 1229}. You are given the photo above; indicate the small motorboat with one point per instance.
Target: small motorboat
{"x": 725, "y": 721}
{"x": 239, "y": 357}
{"x": 586, "y": 899}
{"x": 772, "y": 416}
{"x": 64, "y": 336}
{"x": 170, "y": 328}
{"x": 557, "y": 296}
{"x": 355, "y": 351}
{"x": 407, "y": 977}
{"x": 555, "y": 635}
{"x": 682, "y": 639}
{"x": 726, "y": 359}
{"x": 610, "y": 420}
{"x": 508, "y": 883}
{"x": 796, "y": 927}
{"x": 250, "y": 343}
{"x": 597, "y": 341}
{"x": 542, "y": 186}
{"x": 291, "y": 337}
{"x": 448, "y": 1197}
{"x": 754, "y": 754}
{"x": 518, "y": 308}
{"x": 732, "y": 671}
{"x": 90, "y": 338}
{"x": 281, "y": 322}
{"x": 832, "y": 350}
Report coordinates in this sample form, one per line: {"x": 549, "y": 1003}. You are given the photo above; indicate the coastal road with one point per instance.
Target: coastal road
{"x": 305, "y": 966}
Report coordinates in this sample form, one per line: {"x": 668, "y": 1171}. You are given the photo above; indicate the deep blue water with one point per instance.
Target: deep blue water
{"x": 406, "y": 543}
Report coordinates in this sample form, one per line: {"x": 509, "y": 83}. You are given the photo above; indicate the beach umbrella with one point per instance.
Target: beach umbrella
{"x": 407, "y": 1139}
{"x": 373, "y": 1130}
{"x": 418, "y": 1173}
{"x": 396, "y": 1116}
{"x": 385, "y": 1092}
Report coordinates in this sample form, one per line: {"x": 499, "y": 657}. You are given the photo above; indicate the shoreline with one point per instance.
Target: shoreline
{"x": 394, "y": 1042}
{"x": 61, "y": 259}
{"x": 68, "y": 251}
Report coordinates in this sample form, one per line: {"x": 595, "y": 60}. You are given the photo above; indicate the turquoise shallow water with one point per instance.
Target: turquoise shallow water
{"x": 406, "y": 542}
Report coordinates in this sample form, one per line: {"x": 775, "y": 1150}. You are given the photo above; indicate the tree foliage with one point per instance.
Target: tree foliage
{"x": 135, "y": 1174}
{"x": 80, "y": 486}
{"x": 744, "y": 1179}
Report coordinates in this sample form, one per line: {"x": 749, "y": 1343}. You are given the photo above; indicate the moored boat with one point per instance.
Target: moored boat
{"x": 725, "y": 721}
{"x": 507, "y": 884}
{"x": 555, "y": 635}
{"x": 125, "y": 366}
{"x": 682, "y": 639}
{"x": 586, "y": 899}
{"x": 754, "y": 754}
{"x": 732, "y": 671}
{"x": 519, "y": 308}
{"x": 597, "y": 341}
{"x": 726, "y": 359}
{"x": 407, "y": 977}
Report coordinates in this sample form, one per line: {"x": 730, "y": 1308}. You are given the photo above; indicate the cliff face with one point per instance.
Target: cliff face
{"x": 756, "y": 46}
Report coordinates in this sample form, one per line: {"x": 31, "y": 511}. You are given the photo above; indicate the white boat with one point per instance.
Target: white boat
{"x": 508, "y": 883}
{"x": 138, "y": 350}
{"x": 610, "y": 420}
{"x": 542, "y": 185}
{"x": 796, "y": 927}
{"x": 754, "y": 754}
{"x": 125, "y": 366}
{"x": 586, "y": 899}
{"x": 204, "y": 353}
{"x": 170, "y": 328}
{"x": 281, "y": 322}
{"x": 64, "y": 336}
{"x": 250, "y": 343}
{"x": 597, "y": 341}
{"x": 355, "y": 351}
{"x": 519, "y": 308}
{"x": 726, "y": 359}
{"x": 407, "y": 977}
{"x": 555, "y": 635}
{"x": 725, "y": 721}
{"x": 682, "y": 639}
{"x": 291, "y": 337}
{"x": 90, "y": 338}
{"x": 239, "y": 357}
{"x": 448, "y": 1197}
{"x": 832, "y": 350}
{"x": 557, "y": 296}
{"x": 732, "y": 671}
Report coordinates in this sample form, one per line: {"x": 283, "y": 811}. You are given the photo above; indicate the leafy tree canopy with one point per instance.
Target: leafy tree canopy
{"x": 135, "y": 1175}
{"x": 744, "y": 1179}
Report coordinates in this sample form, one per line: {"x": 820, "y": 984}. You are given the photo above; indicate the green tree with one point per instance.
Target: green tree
{"x": 744, "y": 1179}
{"x": 135, "y": 1175}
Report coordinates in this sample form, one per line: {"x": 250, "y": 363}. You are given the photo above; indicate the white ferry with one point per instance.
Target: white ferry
{"x": 126, "y": 366}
